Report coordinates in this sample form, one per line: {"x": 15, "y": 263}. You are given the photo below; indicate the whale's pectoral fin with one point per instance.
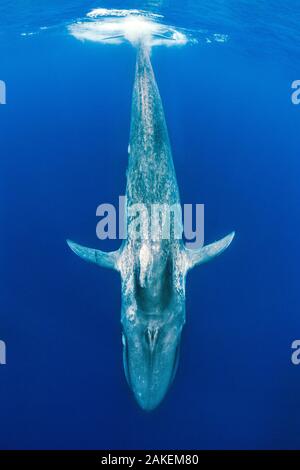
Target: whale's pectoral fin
{"x": 208, "y": 252}
{"x": 102, "y": 258}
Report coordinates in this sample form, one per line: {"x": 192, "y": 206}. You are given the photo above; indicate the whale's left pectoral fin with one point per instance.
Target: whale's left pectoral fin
{"x": 102, "y": 258}
{"x": 208, "y": 252}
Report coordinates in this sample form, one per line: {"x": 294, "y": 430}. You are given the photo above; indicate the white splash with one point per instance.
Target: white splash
{"x": 98, "y": 12}
{"x": 117, "y": 26}
{"x": 220, "y": 37}
{"x": 30, "y": 33}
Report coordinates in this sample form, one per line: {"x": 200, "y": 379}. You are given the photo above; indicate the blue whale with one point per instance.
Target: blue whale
{"x": 153, "y": 270}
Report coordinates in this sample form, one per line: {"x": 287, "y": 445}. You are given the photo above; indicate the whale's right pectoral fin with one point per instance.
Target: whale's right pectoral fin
{"x": 102, "y": 258}
{"x": 208, "y": 252}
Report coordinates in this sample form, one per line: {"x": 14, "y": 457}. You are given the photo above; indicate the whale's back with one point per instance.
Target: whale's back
{"x": 151, "y": 176}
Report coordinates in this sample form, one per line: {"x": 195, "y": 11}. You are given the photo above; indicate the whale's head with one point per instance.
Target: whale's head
{"x": 152, "y": 319}
{"x": 150, "y": 355}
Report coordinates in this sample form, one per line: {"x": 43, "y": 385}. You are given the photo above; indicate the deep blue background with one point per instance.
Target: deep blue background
{"x": 235, "y": 139}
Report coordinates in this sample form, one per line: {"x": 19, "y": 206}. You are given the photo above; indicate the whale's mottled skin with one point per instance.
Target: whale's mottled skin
{"x": 153, "y": 272}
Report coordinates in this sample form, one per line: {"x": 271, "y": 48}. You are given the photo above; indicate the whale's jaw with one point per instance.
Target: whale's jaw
{"x": 150, "y": 356}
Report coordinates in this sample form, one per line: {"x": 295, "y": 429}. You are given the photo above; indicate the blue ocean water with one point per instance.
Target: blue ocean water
{"x": 235, "y": 139}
